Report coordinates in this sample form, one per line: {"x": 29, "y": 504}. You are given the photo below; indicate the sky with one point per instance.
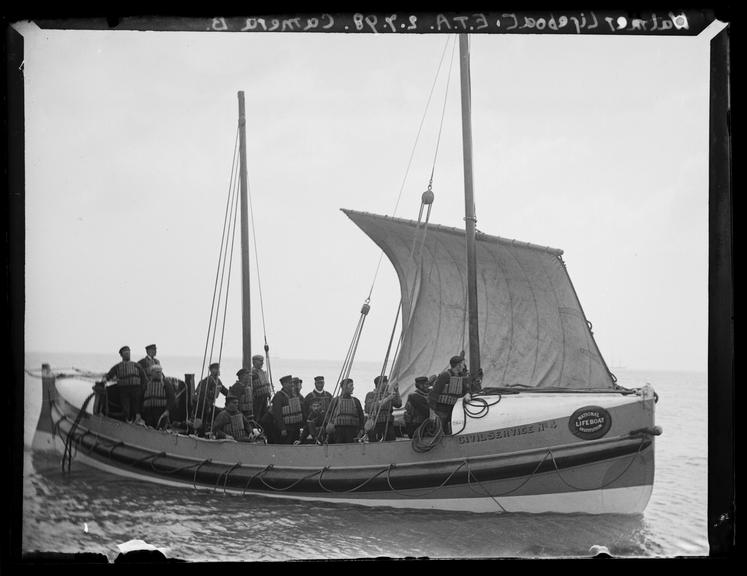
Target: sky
{"x": 597, "y": 145}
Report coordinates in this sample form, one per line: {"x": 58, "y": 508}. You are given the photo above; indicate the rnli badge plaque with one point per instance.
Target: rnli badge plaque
{"x": 590, "y": 422}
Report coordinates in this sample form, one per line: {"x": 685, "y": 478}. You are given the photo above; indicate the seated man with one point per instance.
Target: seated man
{"x": 232, "y": 424}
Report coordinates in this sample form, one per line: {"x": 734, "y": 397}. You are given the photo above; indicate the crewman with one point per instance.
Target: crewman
{"x": 149, "y": 360}
{"x": 314, "y": 410}
{"x": 242, "y": 389}
{"x": 416, "y": 407}
{"x": 262, "y": 389}
{"x": 204, "y": 398}
{"x": 232, "y": 424}
{"x": 287, "y": 413}
{"x": 347, "y": 418}
{"x": 379, "y": 404}
{"x": 449, "y": 387}
{"x": 297, "y": 385}
{"x": 159, "y": 399}
{"x": 131, "y": 380}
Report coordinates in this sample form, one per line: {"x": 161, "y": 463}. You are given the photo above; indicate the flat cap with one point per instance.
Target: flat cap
{"x": 123, "y": 348}
{"x": 318, "y": 378}
{"x": 241, "y": 372}
{"x": 455, "y": 360}
{"x": 149, "y": 346}
{"x": 378, "y": 379}
{"x": 214, "y": 365}
{"x": 286, "y": 379}
{"x": 421, "y": 380}
{"x": 258, "y": 357}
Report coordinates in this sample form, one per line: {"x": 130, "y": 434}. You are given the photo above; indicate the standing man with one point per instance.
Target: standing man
{"x": 131, "y": 380}
{"x": 314, "y": 410}
{"x": 379, "y": 405}
{"x": 204, "y": 398}
{"x": 297, "y": 383}
{"x": 287, "y": 412}
{"x": 416, "y": 407}
{"x": 261, "y": 388}
{"x": 449, "y": 387}
{"x": 242, "y": 390}
{"x": 347, "y": 415}
{"x": 150, "y": 359}
{"x": 159, "y": 398}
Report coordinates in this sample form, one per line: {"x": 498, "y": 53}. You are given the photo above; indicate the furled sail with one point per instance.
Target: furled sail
{"x": 533, "y": 332}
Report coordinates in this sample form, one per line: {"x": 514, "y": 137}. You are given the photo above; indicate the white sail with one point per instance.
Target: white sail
{"x": 533, "y": 332}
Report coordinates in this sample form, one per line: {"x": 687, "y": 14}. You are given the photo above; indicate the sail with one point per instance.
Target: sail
{"x": 533, "y": 332}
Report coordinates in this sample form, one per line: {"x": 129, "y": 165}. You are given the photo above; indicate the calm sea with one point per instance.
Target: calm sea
{"x": 200, "y": 526}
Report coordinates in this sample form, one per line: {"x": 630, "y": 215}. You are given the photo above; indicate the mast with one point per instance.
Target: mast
{"x": 469, "y": 205}
{"x": 246, "y": 325}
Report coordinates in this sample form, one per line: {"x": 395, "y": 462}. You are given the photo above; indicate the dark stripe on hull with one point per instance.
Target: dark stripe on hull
{"x": 608, "y": 464}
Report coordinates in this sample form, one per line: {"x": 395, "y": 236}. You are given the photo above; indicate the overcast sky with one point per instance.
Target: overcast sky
{"x": 597, "y": 145}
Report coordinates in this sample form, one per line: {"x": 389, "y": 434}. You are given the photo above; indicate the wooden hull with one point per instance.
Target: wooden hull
{"x": 535, "y": 466}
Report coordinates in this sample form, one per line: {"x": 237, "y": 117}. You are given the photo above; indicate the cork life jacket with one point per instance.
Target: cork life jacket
{"x": 291, "y": 412}
{"x": 262, "y": 387}
{"x": 127, "y": 373}
{"x": 452, "y": 392}
{"x": 155, "y": 394}
{"x": 385, "y": 411}
{"x": 347, "y": 413}
{"x": 246, "y": 403}
{"x": 236, "y": 426}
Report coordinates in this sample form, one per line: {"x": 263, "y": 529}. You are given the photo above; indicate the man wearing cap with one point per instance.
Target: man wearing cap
{"x": 242, "y": 389}
{"x": 261, "y": 387}
{"x": 149, "y": 360}
{"x": 204, "y": 398}
{"x": 346, "y": 422}
{"x": 231, "y": 423}
{"x": 314, "y": 410}
{"x": 379, "y": 405}
{"x": 416, "y": 407}
{"x": 287, "y": 412}
{"x": 159, "y": 399}
{"x": 449, "y": 387}
{"x": 297, "y": 385}
{"x": 131, "y": 380}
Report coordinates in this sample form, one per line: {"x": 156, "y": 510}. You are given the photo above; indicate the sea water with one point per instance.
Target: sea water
{"x": 86, "y": 510}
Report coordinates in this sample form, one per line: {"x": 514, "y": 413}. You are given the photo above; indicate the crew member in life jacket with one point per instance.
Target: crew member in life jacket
{"x": 242, "y": 389}
{"x": 261, "y": 388}
{"x": 379, "y": 404}
{"x": 346, "y": 420}
{"x": 314, "y": 410}
{"x": 204, "y": 399}
{"x": 149, "y": 360}
{"x": 231, "y": 423}
{"x": 416, "y": 407}
{"x": 449, "y": 387}
{"x": 131, "y": 381}
{"x": 287, "y": 413}
{"x": 159, "y": 399}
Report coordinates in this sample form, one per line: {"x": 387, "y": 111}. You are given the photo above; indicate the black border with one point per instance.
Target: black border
{"x": 721, "y": 391}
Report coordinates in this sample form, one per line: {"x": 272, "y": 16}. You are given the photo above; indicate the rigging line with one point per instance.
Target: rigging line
{"x": 256, "y": 261}
{"x": 215, "y": 286}
{"x": 228, "y": 280}
{"x": 412, "y": 152}
{"x": 222, "y": 274}
{"x": 228, "y": 256}
{"x": 443, "y": 112}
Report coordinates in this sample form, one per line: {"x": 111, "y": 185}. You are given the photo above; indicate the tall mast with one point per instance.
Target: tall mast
{"x": 246, "y": 324}
{"x": 469, "y": 205}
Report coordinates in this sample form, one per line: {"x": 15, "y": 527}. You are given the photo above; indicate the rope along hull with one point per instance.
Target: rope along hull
{"x": 613, "y": 474}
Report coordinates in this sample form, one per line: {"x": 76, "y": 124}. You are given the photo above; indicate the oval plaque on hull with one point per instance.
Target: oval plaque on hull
{"x": 590, "y": 422}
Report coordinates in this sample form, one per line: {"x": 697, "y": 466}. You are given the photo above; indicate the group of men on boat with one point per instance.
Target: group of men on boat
{"x": 254, "y": 412}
